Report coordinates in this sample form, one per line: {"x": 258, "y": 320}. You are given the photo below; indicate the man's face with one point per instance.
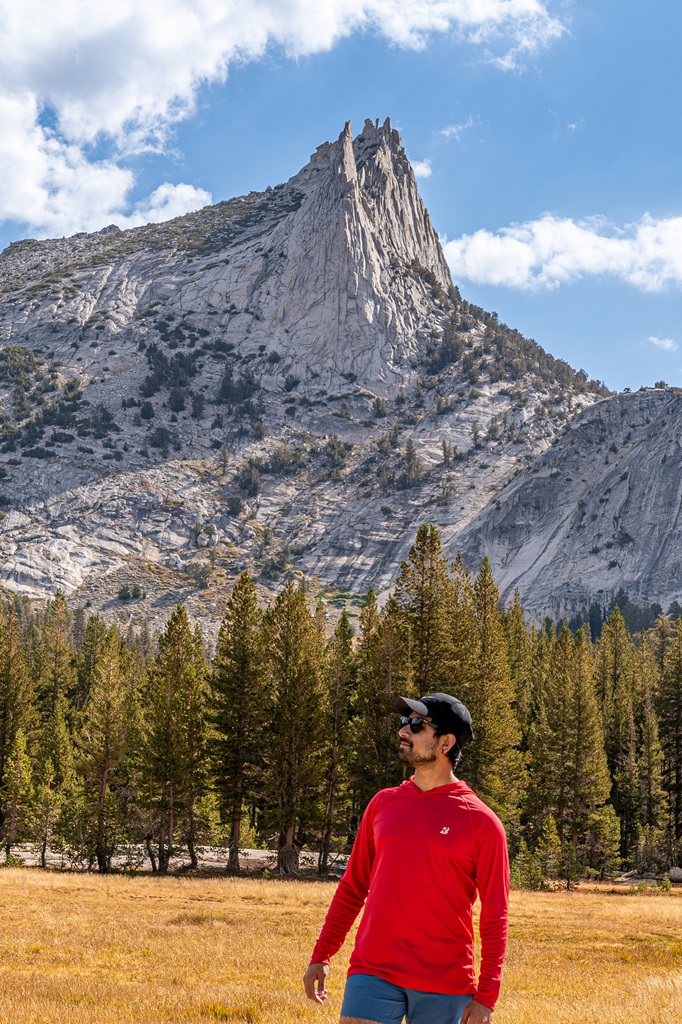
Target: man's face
{"x": 418, "y": 747}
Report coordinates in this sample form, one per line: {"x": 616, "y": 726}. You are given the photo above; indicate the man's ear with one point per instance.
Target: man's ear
{"x": 447, "y": 742}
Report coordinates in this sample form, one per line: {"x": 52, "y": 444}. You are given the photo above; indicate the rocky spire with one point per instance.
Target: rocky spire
{"x": 371, "y": 290}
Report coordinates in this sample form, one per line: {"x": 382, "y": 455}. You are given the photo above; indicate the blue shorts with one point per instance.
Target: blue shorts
{"x": 371, "y": 998}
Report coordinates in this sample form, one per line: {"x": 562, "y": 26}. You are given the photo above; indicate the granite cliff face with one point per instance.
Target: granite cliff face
{"x": 287, "y": 381}
{"x": 599, "y": 511}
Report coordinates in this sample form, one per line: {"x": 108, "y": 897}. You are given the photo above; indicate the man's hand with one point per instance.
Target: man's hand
{"x": 314, "y": 982}
{"x": 476, "y": 1013}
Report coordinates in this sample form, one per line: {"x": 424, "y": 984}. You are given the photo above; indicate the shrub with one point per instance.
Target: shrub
{"x": 200, "y": 573}
{"x": 176, "y": 400}
{"x": 412, "y": 468}
{"x": 234, "y": 504}
{"x": 38, "y": 453}
{"x": 160, "y": 437}
{"x": 249, "y": 478}
{"x": 234, "y": 392}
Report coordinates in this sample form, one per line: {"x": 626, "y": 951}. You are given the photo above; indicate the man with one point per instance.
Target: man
{"x": 422, "y": 851}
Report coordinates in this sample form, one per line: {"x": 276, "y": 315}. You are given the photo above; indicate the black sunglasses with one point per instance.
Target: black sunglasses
{"x": 415, "y": 723}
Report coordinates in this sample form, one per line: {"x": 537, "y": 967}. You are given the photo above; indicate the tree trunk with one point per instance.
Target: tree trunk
{"x": 150, "y": 853}
{"x": 165, "y": 847}
{"x": 164, "y": 858}
{"x": 10, "y": 828}
{"x": 288, "y": 853}
{"x": 325, "y": 846}
{"x": 236, "y": 830}
{"x": 193, "y": 859}
{"x": 103, "y": 860}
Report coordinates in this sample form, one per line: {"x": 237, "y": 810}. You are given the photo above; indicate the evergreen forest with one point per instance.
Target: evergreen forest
{"x": 113, "y": 748}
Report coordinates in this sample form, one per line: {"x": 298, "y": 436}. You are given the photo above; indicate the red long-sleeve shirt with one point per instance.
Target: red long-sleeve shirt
{"x": 418, "y": 861}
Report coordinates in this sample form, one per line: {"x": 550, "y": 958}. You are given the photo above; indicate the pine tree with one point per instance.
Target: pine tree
{"x": 340, "y": 680}
{"x": 627, "y": 796}
{"x": 174, "y": 752}
{"x": 616, "y": 687}
{"x": 56, "y": 662}
{"x": 296, "y": 735}
{"x": 54, "y": 778}
{"x": 658, "y": 637}
{"x": 548, "y": 849}
{"x": 653, "y": 851}
{"x": 17, "y": 696}
{"x": 423, "y": 591}
{"x": 519, "y": 653}
{"x": 602, "y": 847}
{"x": 494, "y": 766}
{"x": 104, "y": 746}
{"x": 569, "y": 776}
{"x": 464, "y": 636}
{"x": 94, "y": 638}
{"x": 670, "y": 724}
{"x": 17, "y": 793}
{"x": 384, "y": 672}
{"x": 194, "y": 735}
{"x": 238, "y": 707}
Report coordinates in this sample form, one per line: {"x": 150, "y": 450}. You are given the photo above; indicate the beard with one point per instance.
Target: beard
{"x": 407, "y": 755}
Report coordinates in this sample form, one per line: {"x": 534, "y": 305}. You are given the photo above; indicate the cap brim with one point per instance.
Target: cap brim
{"x": 403, "y": 705}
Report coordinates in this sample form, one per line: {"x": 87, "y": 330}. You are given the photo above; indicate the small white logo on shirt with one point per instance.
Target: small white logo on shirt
{"x": 444, "y": 831}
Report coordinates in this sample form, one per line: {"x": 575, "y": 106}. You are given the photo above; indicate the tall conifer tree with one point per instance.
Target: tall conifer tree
{"x": 175, "y": 741}
{"x": 195, "y": 782}
{"x": 519, "y": 652}
{"x": 58, "y": 675}
{"x": 384, "y": 672}
{"x": 238, "y": 707}
{"x": 296, "y": 740}
{"x": 340, "y": 672}
{"x": 670, "y": 720}
{"x": 105, "y": 747}
{"x": 17, "y": 695}
{"x": 569, "y": 775}
{"x": 653, "y": 851}
{"x": 494, "y": 766}
{"x": 17, "y": 793}
{"x": 424, "y": 592}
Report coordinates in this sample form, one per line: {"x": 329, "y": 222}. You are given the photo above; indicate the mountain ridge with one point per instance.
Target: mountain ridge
{"x": 287, "y": 381}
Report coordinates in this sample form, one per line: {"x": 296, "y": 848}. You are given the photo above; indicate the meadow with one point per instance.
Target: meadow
{"x": 130, "y": 950}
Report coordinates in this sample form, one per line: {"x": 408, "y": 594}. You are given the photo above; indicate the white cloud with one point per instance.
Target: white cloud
{"x": 455, "y": 131}
{"x": 667, "y": 344}
{"x": 551, "y": 251}
{"x": 80, "y": 72}
{"x": 422, "y": 168}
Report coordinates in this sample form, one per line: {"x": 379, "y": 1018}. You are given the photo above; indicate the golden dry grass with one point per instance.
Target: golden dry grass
{"x": 124, "y": 950}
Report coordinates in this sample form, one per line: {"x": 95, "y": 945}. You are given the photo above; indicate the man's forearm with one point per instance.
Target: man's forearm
{"x": 342, "y": 912}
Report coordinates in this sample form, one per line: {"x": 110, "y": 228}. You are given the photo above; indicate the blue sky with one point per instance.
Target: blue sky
{"x": 547, "y": 138}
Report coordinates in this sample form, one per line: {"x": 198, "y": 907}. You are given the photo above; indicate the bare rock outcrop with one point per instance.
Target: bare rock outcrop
{"x": 598, "y": 512}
